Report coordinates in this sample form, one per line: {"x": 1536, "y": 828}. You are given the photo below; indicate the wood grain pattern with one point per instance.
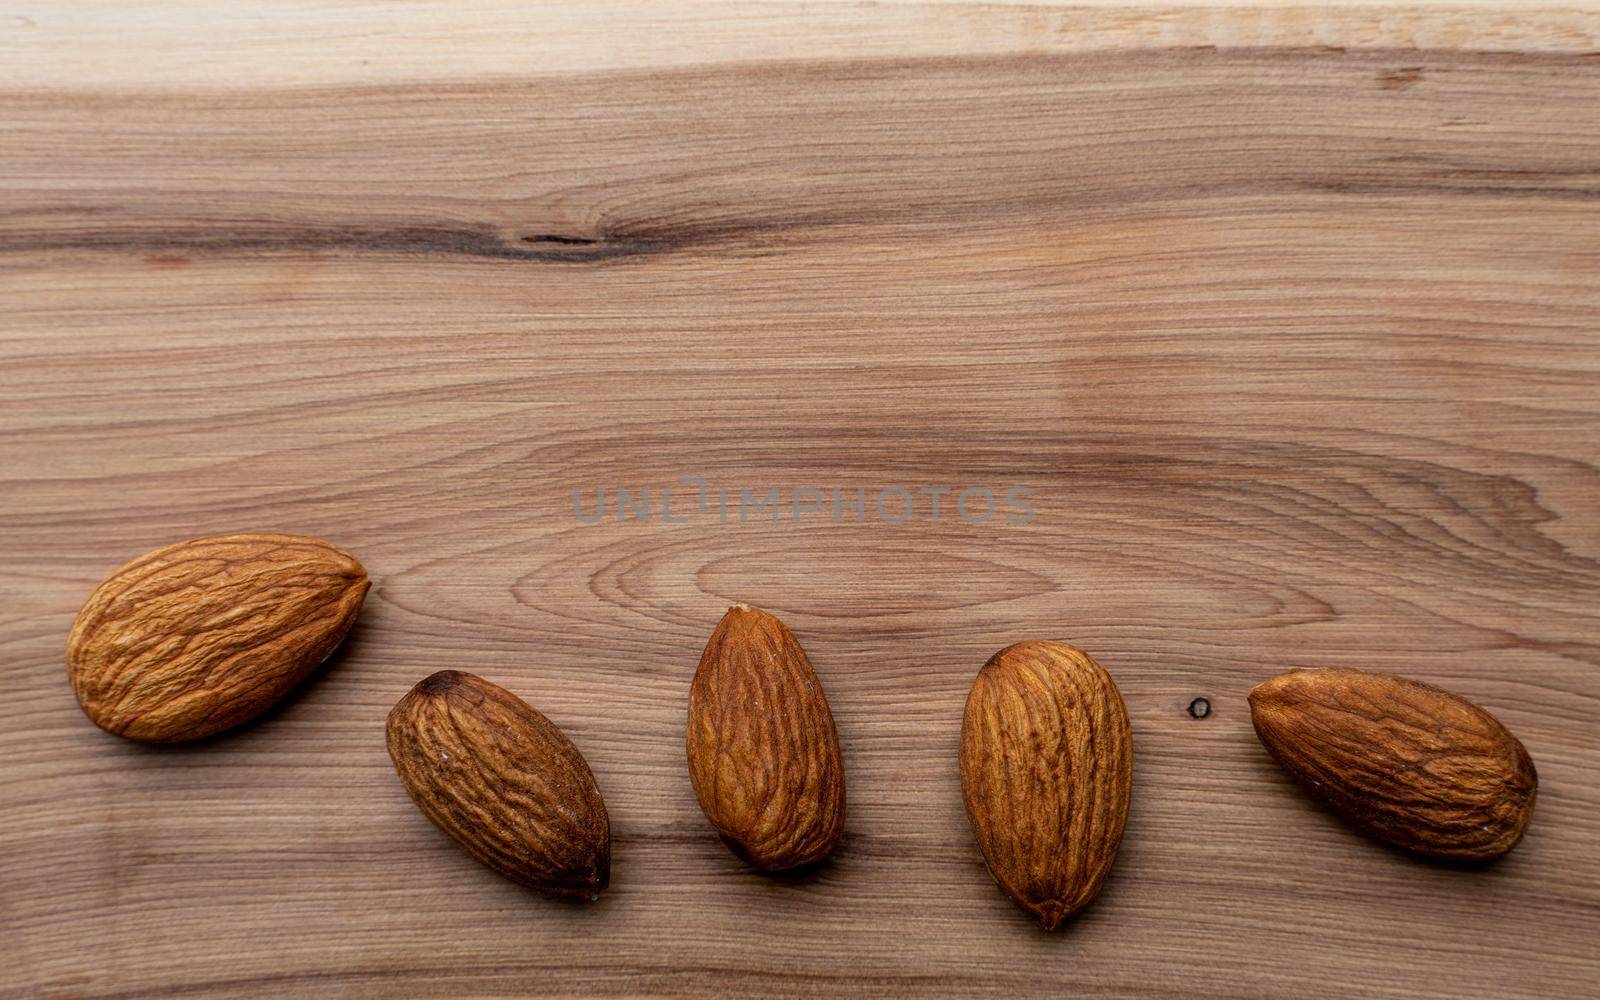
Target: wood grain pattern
{"x": 1286, "y": 316}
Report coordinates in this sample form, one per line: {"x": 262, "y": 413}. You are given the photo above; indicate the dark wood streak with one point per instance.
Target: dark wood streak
{"x": 1454, "y": 188}
{"x": 411, "y": 240}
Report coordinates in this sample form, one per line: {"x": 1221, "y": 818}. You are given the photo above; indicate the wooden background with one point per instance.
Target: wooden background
{"x": 1288, "y": 315}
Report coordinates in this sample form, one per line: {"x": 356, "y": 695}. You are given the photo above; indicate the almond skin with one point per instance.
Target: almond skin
{"x": 201, "y": 636}
{"x": 763, "y": 753}
{"x": 503, "y": 782}
{"x": 1406, "y": 762}
{"x": 1047, "y": 770}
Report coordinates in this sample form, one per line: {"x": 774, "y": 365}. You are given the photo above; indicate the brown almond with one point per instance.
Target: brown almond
{"x": 201, "y": 636}
{"x": 1407, "y": 762}
{"x": 763, "y": 752}
{"x": 1047, "y": 769}
{"x": 503, "y": 782}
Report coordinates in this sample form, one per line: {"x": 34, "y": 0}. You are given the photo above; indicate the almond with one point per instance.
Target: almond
{"x": 203, "y": 635}
{"x": 1046, "y": 769}
{"x": 503, "y": 782}
{"x": 1406, "y": 762}
{"x": 763, "y": 754}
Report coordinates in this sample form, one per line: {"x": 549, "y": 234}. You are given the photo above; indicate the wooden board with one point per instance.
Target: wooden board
{"x": 1289, "y": 317}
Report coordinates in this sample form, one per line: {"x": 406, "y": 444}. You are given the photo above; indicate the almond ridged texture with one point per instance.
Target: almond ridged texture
{"x": 763, "y": 753}
{"x": 201, "y": 636}
{"x": 1046, "y": 769}
{"x": 1407, "y": 762}
{"x": 503, "y": 782}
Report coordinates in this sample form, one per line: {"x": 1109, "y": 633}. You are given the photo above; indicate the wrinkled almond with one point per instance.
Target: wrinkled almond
{"x": 503, "y": 782}
{"x": 200, "y": 636}
{"x": 1406, "y": 762}
{"x": 763, "y": 754}
{"x": 1047, "y": 770}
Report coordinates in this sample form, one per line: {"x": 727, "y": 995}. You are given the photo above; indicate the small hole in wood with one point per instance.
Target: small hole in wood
{"x": 1199, "y": 708}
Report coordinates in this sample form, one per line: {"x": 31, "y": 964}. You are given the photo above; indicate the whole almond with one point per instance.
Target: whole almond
{"x": 1406, "y": 762}
{"x": 763, "y": 754}
{"x": 1046, "y": 768}
{"x": 503, "y": 782}
{"x": 203, "y": 635}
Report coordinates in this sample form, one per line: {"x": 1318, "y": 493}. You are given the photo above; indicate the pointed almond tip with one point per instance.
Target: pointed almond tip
{"x": 1051, "y": 916}
{"x": 440, "y": 682}
{"x": 748, "y": 615}
{"x": 1271, "y": 686}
